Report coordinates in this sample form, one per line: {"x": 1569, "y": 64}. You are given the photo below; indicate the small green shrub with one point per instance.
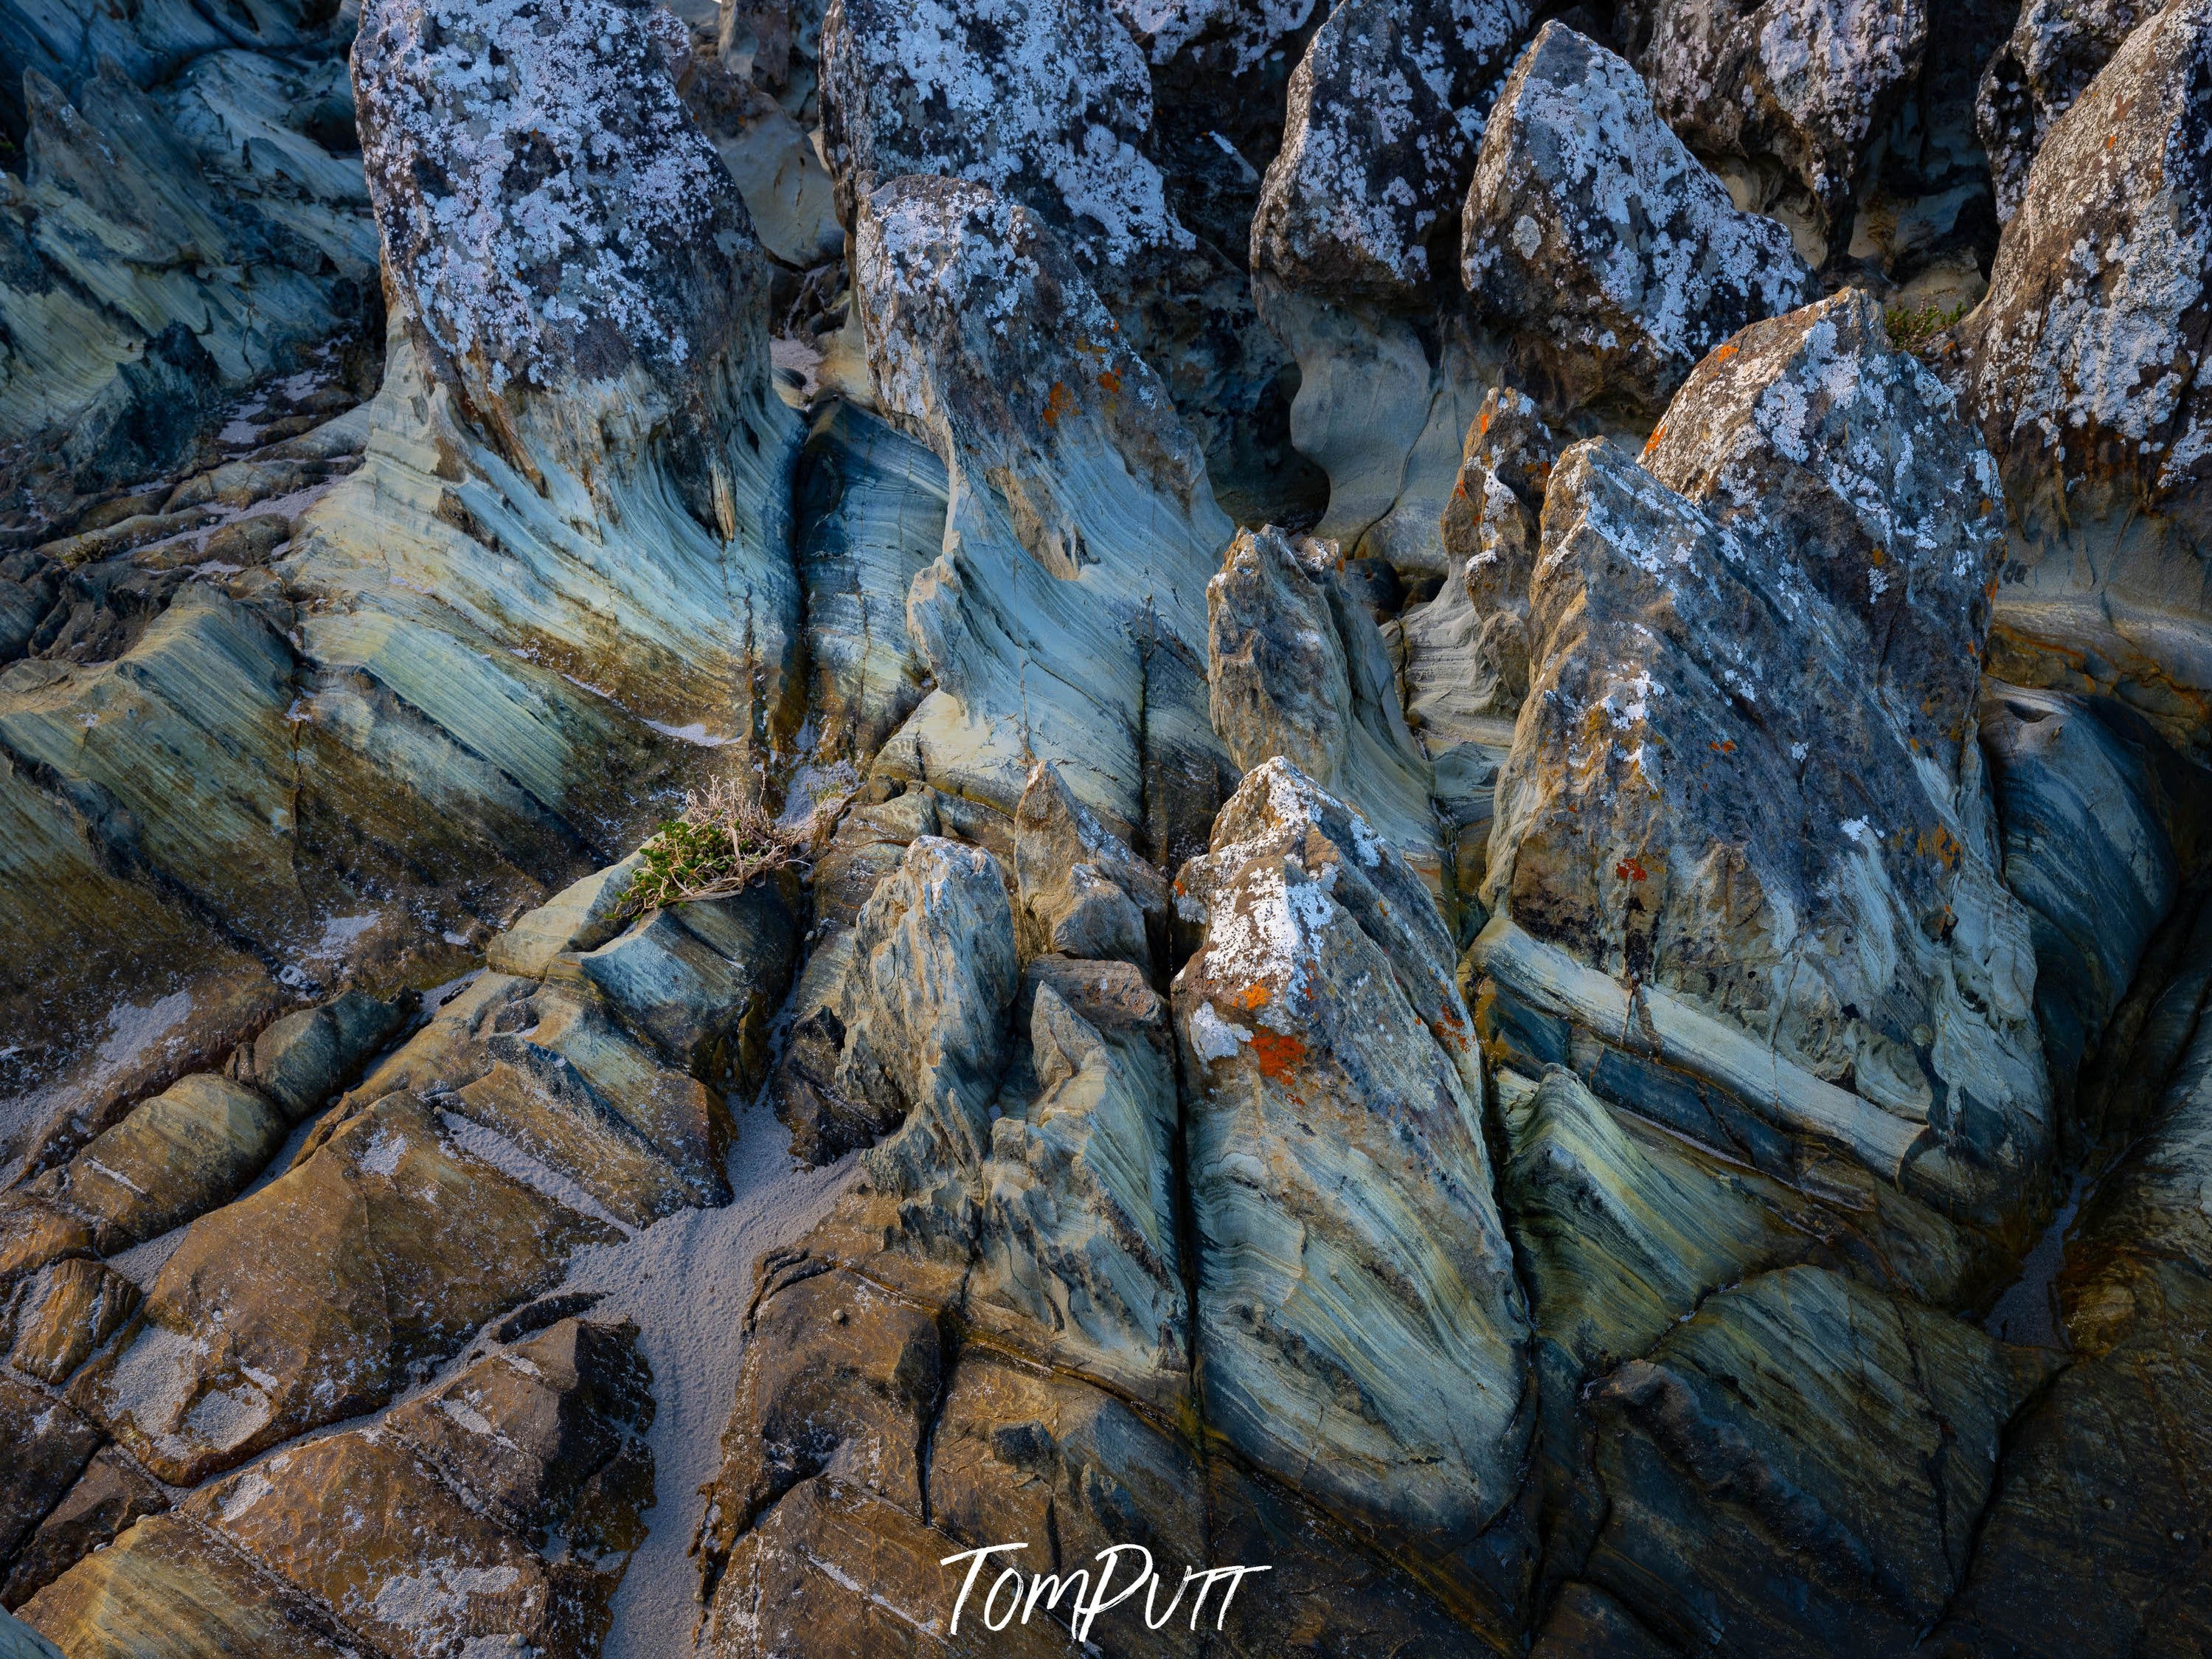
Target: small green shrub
{"x": 721, "y": 844}
{"x": 1914, "y": 331}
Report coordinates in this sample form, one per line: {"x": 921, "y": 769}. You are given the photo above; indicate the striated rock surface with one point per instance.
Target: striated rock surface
{"x": 1613, "y": 260}
{"x": 2079, "y": 366}
{"x": 1061, "y": 620}
{"x": 1298, "y": 671}
{"x": 1702, "y": 711}
{"x": 1369, "y": 1351}
{"x": 497, "y": 1511}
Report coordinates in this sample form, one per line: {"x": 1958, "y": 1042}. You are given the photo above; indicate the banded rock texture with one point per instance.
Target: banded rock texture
{"x": 1061, "y": 621}
{"x": 1703, "y": 685}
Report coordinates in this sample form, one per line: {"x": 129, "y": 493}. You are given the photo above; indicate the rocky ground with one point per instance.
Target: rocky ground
{"x": 1413, "y": 790}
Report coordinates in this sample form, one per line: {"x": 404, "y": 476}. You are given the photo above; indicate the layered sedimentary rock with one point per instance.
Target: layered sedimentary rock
{"x": 1575, "y": 163}
{"x": 1367, "y": 1350}
{"x": 1062, "y": 620}
{"x": 1717, "y": 836}
{"x": 1021, "y": 1216}
{"x": 2079, "y": 366}
{"x": 157, "y": 266}
{"x": 1298, "y": 671}
{"x": 2105, "y": 1467}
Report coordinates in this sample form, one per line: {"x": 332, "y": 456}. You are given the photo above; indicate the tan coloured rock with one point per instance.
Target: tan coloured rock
{"x": 166, "y": 1587}
{"x": 64, "y": 1312}
{"x": 395, "y": 1245}
{"x": 179, "y": 1156}
{"x": 108, "y": 1497}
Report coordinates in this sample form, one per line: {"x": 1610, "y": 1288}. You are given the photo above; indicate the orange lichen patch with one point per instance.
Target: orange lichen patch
{"x": 1657, "y": 433}
{"x": 1482, "y": 419}
{"x": 1630, "y": 869}
{"x": 1723, "y": 351}
{"x": 1875, "y": 556}
{"x": 1989, "y": 589}
{"x": 1940, "y": 844}
{"x": 1059, "y": 404}
{"x": 1275, "y": 1053}
{"x": 1253, "y": 998}
{"x": 1725, "y": 746}
{"x": 1110, "y": 380}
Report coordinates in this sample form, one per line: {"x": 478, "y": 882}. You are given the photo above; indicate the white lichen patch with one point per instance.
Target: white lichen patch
{"x": 538, "y": 183}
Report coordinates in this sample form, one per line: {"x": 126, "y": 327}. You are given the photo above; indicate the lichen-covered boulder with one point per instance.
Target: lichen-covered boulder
{"x": 1738, "y": 849}
{"x": 1049, "y": 104}
{"x": 1366, "y": 1337}
{"x": 1807, "y": 83}
{"x": 2055, "y": 51}
{"x": 1386, "y": 109}
{"x": 581, "y": 312}
{"x": 1612, "y": 258}
{"x": 2080, "y": 368}
{"x": 1063, "y": 619}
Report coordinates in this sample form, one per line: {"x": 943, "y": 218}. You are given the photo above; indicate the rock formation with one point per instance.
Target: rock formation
{"x": 2080, "y": 375}
{"x": 827, "y": 827}
{"x": 1613, "y": 258}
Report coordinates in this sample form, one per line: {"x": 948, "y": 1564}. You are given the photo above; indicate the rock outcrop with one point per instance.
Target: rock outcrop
{"x": 1049, "y": 104}
{"x": 1611, "y": 258}
{"x": 2055, "y": 51}
{"x": 1298, "y": 671}
{"x": 1715, "y": 822}
{"x": 498, "y": 1510}
{"x": 1368, "y": 1353}
{"x": 1062, "y": 619}
{"x": 2079, "y": 366}
{"x": 1806, "y": 86}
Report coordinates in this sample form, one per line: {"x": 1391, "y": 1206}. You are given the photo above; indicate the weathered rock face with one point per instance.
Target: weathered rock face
{"x": 1298, "y": 671}
{"x": 1837, "y": 903}
{"x": 2106, "y": 1464}
{"x": 1061, "y": 620}
{"x": 498, "y": 1510}
{"x": 2055, "y": 50}
{"x": 1805, "y": 85}
{"x": 1597, "y": 242}
{"x": 1049, "y": 104}
{"x": 2077, "y": 367}
{"x": 1466, "y": 650}
{"x": 1386, "y": 109}
{"x": 1370, "y": 1351}
{"x": 157, "y": 268}
{"x": 2101, "y": 833}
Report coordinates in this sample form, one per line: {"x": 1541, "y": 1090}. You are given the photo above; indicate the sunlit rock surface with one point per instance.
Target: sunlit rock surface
{"x": 2080, "y": 369}
{"x": 1714, "y": 812}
